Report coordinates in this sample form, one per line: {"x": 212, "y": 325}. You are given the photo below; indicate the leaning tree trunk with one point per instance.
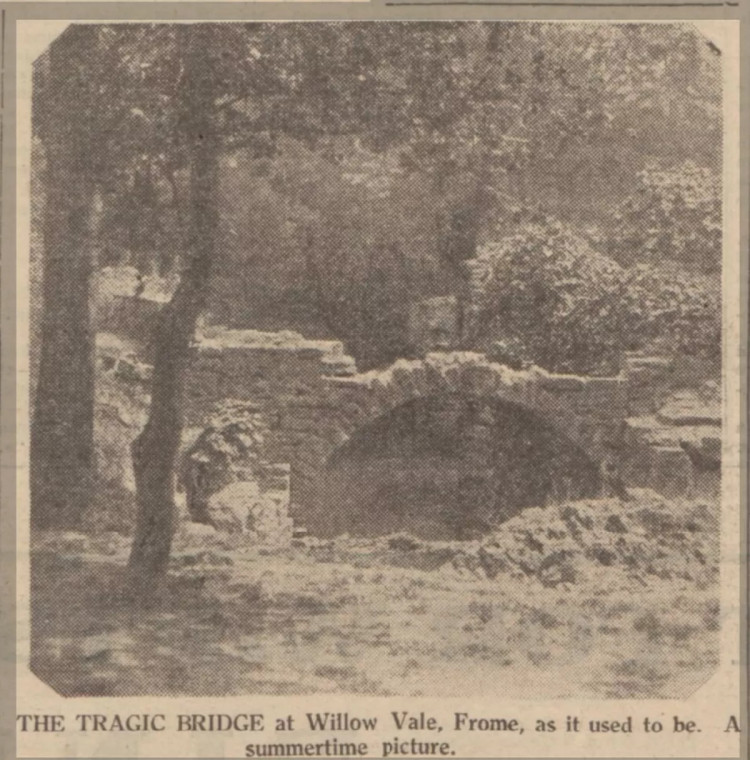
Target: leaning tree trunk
{"x": 156, "y": 449}
{"x": 62, "y": 429}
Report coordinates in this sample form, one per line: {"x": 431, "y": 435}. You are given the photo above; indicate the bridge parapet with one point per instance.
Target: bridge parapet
{"x": 590, "y": 411}
{"x": 313, "y": 399}
{"x": 311, "y": 390}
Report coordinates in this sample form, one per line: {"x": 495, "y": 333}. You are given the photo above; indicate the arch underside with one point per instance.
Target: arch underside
{"x": 445, "y": 467}
{"x": 544, "y": 443}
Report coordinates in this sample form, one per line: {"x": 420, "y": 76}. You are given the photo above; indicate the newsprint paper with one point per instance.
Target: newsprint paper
{"x": 373, "y": 381}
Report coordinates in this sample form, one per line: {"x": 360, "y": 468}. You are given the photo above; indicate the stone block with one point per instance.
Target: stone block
{"x": 454, "y": 376}
{"x": 610, "y": 433}
{"x": 273, "y": 477}
{"x": 389, "y": 395}
{"x": 671, "y": 471}
{"x": 687, "y": 409}
{"x": 435, "y": 382}
{"x": 242, "y": 507}
{"x": 336, "y": 436}
{"x": 302, "y": 419}
{"x": 555, "y": 406}
{"x": 562, "y": 383}
{"x": 481, "y": 379}
{"x": 342, "y": 366}
{"x": 315, "y": 450}
{"x": 227, "y": 510}
{"x": 403, "y": 376}
{"x": 604, "y": 397}
{"x": 310, "y": 353}
{"x": 648, "y": 379}
{"x": 648, "y": 431}
{"x": 505, "y": 354}
{"x": 652, "y": 364}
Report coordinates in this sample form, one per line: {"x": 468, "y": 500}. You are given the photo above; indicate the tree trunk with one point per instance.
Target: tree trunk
{"x": 62, "y": 429}
{"x": 156, "y": 448}
{"x": 458, "y": 245}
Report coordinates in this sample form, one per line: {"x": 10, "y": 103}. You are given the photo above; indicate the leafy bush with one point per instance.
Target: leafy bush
{"x": 673, "y": 215}
{"x": 575, "y": 310}
{"x": 674, "y": 311}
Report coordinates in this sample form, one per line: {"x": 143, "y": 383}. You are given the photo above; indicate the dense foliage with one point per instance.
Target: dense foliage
{"x": 450, "y": 124}
{"x": 547, "y": 294}
{"x": 673, "y": 215}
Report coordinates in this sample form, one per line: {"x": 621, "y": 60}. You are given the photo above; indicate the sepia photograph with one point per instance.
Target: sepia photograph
{"x": 376, "y": 358}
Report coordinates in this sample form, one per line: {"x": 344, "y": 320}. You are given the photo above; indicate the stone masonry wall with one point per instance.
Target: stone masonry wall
{"x": 312, "y": 399}
{"x": 672, "y": 440}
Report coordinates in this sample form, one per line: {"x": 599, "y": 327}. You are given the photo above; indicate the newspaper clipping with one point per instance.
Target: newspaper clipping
{"x": 378, "y": 380}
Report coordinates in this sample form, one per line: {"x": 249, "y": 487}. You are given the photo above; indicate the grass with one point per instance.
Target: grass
{"x": 243, "y": 621}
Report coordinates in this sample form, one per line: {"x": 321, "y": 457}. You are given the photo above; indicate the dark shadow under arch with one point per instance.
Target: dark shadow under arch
{"x": 449, "y": 466}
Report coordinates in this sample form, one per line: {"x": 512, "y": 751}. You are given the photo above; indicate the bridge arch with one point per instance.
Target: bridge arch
{"x": 587, "y": 412}
{"x": 446, "y": 467}
{"x": 313, "y": 401}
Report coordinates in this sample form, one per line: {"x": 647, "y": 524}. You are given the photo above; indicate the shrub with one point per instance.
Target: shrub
{"x": 572, "y": 309}
{"x": 673, "y": 215}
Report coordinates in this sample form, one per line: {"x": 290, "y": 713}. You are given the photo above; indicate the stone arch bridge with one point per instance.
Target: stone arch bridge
{"x": 313, "y": 399}
{"x": 649, "y": 420}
